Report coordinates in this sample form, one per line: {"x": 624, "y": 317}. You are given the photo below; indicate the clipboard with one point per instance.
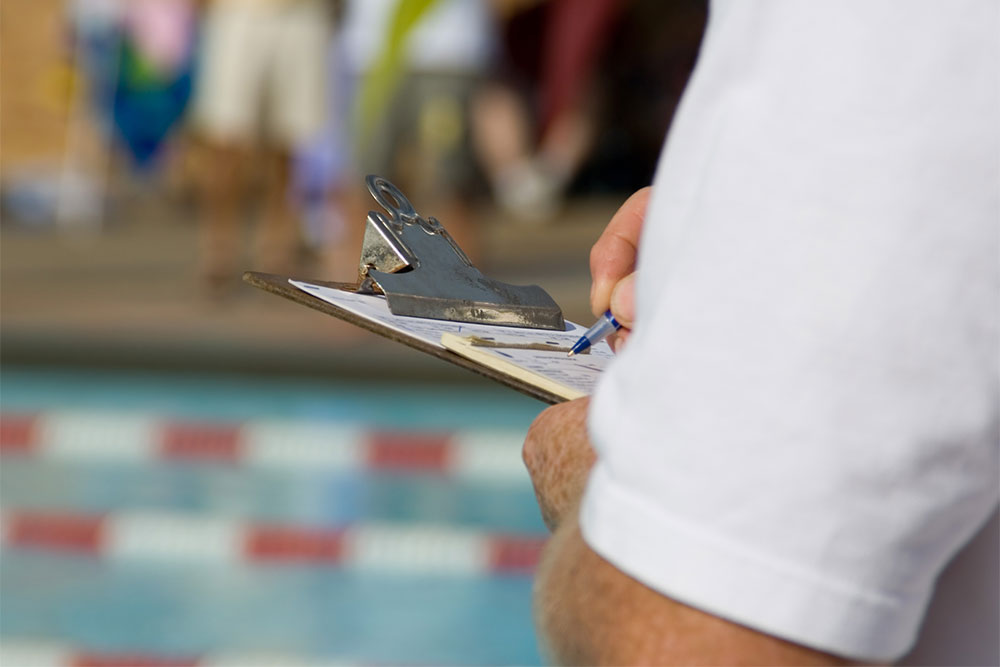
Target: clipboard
{"x": 417, "y": 287}
{"x": 482, "y": 351}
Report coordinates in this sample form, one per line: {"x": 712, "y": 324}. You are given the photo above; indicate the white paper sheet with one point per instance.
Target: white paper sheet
{"x": 579, "y": 373}
{"x": 552, "y": 370}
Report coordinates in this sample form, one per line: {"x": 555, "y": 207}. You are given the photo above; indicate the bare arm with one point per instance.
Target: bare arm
{"x": 588, "y": 611}
{"x": 591, "y": 613}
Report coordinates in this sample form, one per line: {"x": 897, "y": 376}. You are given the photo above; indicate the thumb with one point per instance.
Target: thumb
{"x": 623, "y": 301}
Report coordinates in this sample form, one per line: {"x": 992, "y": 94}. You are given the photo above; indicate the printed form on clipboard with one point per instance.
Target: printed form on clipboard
{"x": 535, "y": 356}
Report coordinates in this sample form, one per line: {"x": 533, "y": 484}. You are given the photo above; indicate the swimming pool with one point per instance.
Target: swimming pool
{"x": 230, "y": 520}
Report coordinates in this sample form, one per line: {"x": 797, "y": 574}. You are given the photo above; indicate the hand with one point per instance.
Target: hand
{"x": 558, "y": 456}
{"x": 557, "y": 450}
{"x": 612, "y": 265}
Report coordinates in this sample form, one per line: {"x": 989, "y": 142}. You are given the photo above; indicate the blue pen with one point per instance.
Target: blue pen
{"x": 605, "y": 326}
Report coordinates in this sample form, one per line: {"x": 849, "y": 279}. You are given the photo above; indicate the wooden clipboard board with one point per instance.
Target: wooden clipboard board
{"x": 279, "y": 285}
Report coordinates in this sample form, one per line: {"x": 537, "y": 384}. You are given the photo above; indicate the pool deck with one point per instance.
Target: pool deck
{"x": 128, "y": 296}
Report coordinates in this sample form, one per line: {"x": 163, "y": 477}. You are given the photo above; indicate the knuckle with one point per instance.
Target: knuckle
{"x": 536, "y": 440}
{"x": 596, "y": 258}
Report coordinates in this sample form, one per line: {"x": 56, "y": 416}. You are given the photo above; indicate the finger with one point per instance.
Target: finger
{"x": 623, "y": 301}
{"x": 620, "y": 338}
{"x": 613, "y": 256}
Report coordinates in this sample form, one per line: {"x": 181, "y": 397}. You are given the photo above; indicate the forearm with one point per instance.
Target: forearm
{"x": 590, "y": 613}
{"x": 580, "y": 603}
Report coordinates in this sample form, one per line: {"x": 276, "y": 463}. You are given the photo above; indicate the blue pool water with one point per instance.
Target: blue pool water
{"x": 316, "y": 612}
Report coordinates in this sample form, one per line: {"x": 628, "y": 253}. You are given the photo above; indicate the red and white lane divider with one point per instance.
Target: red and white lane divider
{"x": 87, "y": 437}
{"x": 176, "y": 538}
{"x": 43, "y": 654}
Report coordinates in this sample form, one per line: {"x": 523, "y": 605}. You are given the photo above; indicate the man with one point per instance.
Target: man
{"x": 802, "y": 428}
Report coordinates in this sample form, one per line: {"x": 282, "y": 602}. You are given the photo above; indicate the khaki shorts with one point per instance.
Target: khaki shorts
{"x": 263, "y": 72}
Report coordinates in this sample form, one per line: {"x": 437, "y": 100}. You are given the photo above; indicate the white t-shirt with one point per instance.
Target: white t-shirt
{"x": 803, "y": 429}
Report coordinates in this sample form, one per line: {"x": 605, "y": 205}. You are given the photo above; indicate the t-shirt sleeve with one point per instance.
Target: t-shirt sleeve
{"x": 803, "y": 428}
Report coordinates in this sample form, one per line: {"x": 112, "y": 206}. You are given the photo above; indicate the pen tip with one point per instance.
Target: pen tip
{"x": 570, "y": 353}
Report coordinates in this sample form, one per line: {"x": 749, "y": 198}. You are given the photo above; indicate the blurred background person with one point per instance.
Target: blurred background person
{"x": 535, "y": 123}
{"x": 411, "y": 70}
{"x": 155, "y": 70}
{"x": 260, "y": 96}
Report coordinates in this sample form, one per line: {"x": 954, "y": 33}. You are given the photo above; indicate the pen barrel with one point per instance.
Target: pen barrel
{"x": 603, "y": 328}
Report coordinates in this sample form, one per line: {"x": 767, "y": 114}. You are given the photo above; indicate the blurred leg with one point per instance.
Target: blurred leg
{"x": 567, "y": 141}
{"x": 296, "y": 101}
{"x": 501, "y": 133}
{"x": 220, "y": 229}
{"x": 500, "y": 130}
{"x": 277, "y": 239}
{"x": 444, "y": 137}
{"x": 342, "y": 254}
{"x": 225, "y": 110}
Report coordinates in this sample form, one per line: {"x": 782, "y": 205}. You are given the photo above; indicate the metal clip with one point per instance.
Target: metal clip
{"x": 423, "y": 272}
